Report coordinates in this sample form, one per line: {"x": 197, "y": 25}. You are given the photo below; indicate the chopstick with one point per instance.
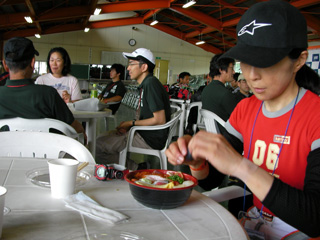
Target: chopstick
{"x": 82, "y": 165}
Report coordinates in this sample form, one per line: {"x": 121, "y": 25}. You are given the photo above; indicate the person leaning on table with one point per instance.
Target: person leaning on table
{"x": 20, "y": 97}
{"x": 153, "y": 109}
{"x": 278, "y": 127}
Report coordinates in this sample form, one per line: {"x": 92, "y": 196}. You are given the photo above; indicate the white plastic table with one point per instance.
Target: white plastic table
{"x": 91, "y": 124}
{"x": 33, "y": 214}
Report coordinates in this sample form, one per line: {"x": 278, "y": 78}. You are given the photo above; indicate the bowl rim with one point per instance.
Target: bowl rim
{"x": 190, "y": 177}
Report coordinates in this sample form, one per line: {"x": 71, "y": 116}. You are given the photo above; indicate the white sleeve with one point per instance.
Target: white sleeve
{"x": 75, "y": 90}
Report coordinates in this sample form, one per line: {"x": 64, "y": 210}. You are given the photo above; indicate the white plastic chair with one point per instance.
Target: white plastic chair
{"x": 183, "y": 104}
{"x": 210, "y": 120}
{"x": 159, "y": 153}
{"x": 225, "y": 193}
{"x": 41, "y": 125}
{"x": 42, "y": 145}
{"x": 111, "y": 116}
{"x": 199, "y": 123}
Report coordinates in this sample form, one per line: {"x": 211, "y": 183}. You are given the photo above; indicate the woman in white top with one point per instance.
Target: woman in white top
{"x": 59, "y": 66}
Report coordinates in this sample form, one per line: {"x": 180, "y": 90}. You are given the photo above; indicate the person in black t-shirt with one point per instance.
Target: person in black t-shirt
{"x": 114, "y": 91}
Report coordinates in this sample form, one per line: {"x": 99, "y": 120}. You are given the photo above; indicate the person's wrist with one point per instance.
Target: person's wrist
{"x": 202, "y": 165}
{"x": 244, "y": 170}
{"x": 133, "y": 122}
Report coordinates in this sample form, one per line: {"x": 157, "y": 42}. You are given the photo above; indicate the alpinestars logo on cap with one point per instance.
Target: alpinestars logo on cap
{"x": 249, "y": 28}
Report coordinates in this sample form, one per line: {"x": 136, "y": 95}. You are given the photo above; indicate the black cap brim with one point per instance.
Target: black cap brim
{"x": 256, "y": 56}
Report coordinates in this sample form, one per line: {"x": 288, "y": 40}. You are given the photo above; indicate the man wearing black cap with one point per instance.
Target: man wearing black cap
{"x": 153, "y": 109}
{"x": 20, "y": 97}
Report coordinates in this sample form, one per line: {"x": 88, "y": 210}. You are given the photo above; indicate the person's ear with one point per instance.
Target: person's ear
{"x": 5, "y": 65}
{"x": 33, "y": 61}
{"x": 144, "y": 67}
{"x": 301, "y": 61}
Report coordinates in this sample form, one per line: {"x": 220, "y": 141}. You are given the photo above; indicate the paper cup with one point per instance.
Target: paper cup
{"x": 3, "y": 192}
{"x": 63, "y": 174}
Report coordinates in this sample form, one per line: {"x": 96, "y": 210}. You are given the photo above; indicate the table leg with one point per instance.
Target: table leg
{"x": 91, "y": 134}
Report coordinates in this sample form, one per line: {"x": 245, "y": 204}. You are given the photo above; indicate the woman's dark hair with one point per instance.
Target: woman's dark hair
{"x": 66, "y": 60}
{"x": 216, "y": 64}
{"x": 119, "y": 69}
{"x": 306, "y": 77}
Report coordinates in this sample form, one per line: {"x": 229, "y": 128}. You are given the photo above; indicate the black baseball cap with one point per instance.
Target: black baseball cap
{"x": 267, "y": 32}
{"x": 18, "y": 49}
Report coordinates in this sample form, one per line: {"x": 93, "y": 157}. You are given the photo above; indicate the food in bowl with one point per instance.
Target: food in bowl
{"x": 160, "y": 189}
{"x": 158, "y": 179}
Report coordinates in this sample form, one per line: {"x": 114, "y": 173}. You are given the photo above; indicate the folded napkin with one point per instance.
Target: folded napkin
{"x": 85, "y": 205}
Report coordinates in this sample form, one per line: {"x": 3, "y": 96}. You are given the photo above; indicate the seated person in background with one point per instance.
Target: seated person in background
{"x": 216, "y": 97}
{"x": 181, "y": 90}
{"x": 233, "y": 85}
{"x": 20, "y": 97}
{"x": 244, "y": 90}
{"x": 59, "y": 66}
{"x": 277, "y": 129}
{"x": 115, "y": 90}
{"x": 153, "y": 109}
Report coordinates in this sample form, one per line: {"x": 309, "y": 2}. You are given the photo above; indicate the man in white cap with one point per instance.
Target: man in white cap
{"x": 153, "y": 109}
{"x": 244, "y": 90}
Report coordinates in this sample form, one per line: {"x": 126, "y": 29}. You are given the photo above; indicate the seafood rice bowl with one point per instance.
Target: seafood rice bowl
{"x": 160, "y": 189}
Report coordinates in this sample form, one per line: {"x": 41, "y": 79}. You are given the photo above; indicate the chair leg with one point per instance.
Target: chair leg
{"x": 123, "y": 157}
{"x": 163, "y": 161}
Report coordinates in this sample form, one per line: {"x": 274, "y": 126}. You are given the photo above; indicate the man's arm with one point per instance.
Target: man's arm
{"x": 112, "y": 99}
{"x": 79, "y": 129}
{"x": 158, "y": 118}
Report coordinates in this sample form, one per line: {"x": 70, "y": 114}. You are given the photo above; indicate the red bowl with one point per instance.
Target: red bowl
{"x": 160, "y": 198}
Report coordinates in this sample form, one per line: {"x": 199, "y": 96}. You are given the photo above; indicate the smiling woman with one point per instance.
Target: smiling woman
{"x": 59, "y": 66}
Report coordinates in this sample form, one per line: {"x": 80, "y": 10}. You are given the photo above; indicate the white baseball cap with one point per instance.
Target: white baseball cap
{"x": 240, "y": 77}
{"x": 141, "y": 53}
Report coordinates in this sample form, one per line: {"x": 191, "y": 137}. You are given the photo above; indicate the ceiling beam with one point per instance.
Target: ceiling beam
{"x": 313, "y": 23}
{"x": 179, "y": 35}
{"x": 92, "y": 7}
{"x": 134, "y": 6}
{"x": 7, "y": 20}
{"x": 304, "y": 3}
{"x": 116, "y": 22}
{"x": 198, "y": 16}
{"x": 33, "y": 15}
{"x": 151, "y": 13}
{"x": 206, "y": 47}
{"x": 32, "y": 32}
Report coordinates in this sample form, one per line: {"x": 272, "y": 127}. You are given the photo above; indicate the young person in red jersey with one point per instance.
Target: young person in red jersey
{"x": 277, "y": 129}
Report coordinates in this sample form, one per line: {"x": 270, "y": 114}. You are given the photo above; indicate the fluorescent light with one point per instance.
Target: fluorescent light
{"x": 200, "y": 42}
{"x": 37, "y": 35}
{"x": 188, "y": 4}
{"x": 28, "y": 19}
{"x": 97, "y": 11}
{"x": 154, "y": 22}
{"x": 86, "y": 29}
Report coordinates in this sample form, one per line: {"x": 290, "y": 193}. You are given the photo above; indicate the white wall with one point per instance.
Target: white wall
{"x": 86, "y": 48}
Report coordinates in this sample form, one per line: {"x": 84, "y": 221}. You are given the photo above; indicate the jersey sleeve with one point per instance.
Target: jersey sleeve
{"x": 299, "y": 208}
